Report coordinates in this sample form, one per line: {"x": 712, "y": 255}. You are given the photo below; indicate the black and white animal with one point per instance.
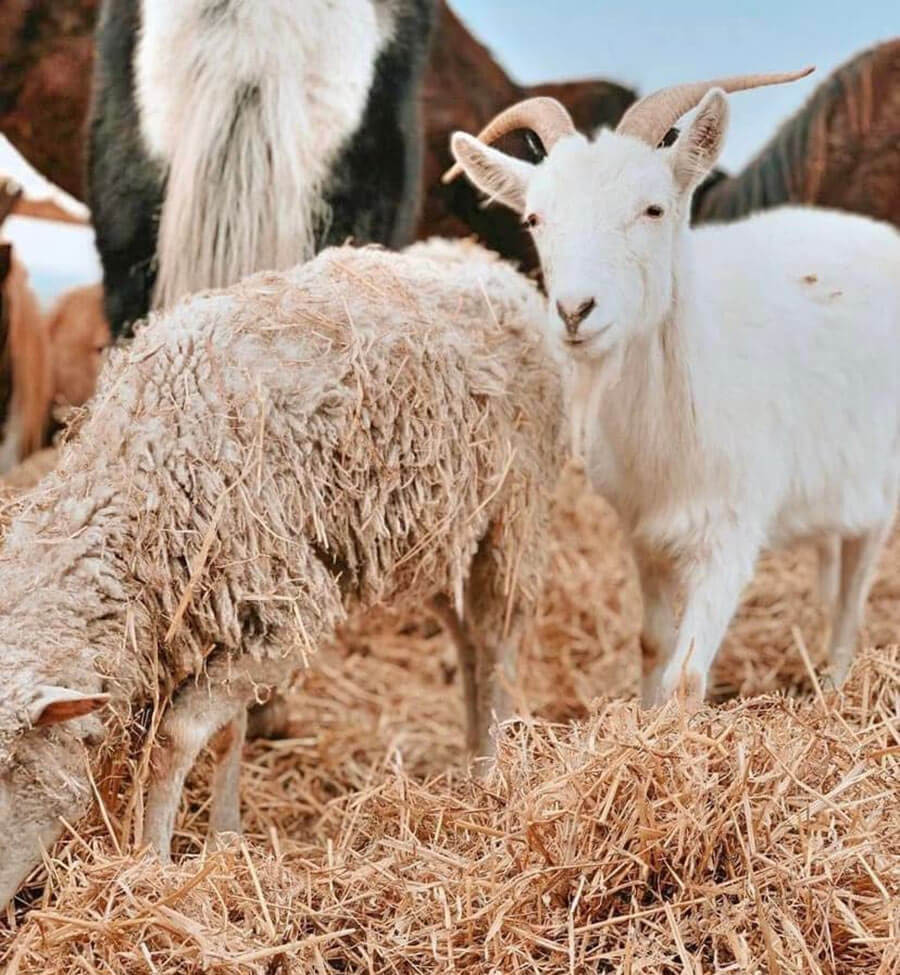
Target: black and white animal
{"x": 231, "y": 136}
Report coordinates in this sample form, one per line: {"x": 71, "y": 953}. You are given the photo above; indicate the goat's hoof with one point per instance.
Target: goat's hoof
{"x": 687, "y": 687}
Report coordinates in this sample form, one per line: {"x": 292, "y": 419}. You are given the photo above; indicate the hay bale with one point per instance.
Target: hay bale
{"x": 758, "y": 836}
{"x": 754, "y": 836}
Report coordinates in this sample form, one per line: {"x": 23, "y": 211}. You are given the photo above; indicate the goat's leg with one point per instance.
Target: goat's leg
{"x": 859, "y": 558}
{"x": 225, "y": 805}
{"x": 659, "y": 628}
{"x": 712, "y": 590}
{"x": 828, "y": 549}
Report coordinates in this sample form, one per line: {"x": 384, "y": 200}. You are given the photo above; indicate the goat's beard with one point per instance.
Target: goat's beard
{"x": 589, "y": 380}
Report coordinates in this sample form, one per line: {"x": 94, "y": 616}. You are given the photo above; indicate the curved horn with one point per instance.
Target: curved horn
{"x": 543, "y": 115}
{"x": 651, "y": 117}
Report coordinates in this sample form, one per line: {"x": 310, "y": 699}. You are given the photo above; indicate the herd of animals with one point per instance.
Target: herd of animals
{"x": 339, "y": 426}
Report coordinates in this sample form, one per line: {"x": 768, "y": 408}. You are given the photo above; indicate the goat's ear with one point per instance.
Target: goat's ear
{"x": 697, "y": 150}
{"x": 5, "y": 261}
{"x": 53, "y": 705}
{"x": 502, "y": 177}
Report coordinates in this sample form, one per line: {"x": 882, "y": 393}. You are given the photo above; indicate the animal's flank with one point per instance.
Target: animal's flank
{"x": 220, "y": 220}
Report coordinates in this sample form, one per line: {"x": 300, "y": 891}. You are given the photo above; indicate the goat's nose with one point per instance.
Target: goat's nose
{"x": 573, "y": 317}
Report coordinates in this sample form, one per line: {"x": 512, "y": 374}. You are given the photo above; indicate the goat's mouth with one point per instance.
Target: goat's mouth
{"x": 581, "y": 342}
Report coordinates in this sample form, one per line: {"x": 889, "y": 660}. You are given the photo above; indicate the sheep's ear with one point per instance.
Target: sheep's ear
{"x": 53, "y": 705}
{"x": 697, "y": 150}
{"x": 502, "y": 177}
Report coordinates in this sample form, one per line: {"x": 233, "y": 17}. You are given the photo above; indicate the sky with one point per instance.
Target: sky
{"x": 643, "y": 45}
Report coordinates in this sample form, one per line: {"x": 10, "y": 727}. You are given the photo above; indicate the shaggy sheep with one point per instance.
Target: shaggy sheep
{"x": 735, "y": 386}
{"x": 257, "y": 464}
{"x": 236, "y": 136}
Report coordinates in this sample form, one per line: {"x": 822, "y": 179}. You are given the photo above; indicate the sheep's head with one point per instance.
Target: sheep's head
{"x": 605, "y": 214}
{"x": 43, "y": 779}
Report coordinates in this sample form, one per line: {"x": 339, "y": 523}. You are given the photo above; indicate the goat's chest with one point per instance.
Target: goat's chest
{"x": 309, "y": 64}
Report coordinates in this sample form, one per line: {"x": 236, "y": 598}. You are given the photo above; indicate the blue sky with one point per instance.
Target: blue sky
{"x": 649, "y": 45}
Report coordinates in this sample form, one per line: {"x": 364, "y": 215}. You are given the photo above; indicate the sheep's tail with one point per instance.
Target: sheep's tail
{"x": 241, "y": 194}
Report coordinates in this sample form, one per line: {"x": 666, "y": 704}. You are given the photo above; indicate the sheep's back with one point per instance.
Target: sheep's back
{"x": 266, "y": 458}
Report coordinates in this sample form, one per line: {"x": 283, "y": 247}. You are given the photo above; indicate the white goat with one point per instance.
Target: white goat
{"x": 735, "y": 387}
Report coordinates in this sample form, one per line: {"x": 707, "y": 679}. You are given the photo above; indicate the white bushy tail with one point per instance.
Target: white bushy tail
{"x": 242, "y": 192}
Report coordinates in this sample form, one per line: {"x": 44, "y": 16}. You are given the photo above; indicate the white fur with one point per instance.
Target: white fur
{"x": 735, "y": 387}
{"x": 312, "y": 63}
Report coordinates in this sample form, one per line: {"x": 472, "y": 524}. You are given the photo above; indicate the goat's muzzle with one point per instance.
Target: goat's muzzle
{"x": 573, "y": 317}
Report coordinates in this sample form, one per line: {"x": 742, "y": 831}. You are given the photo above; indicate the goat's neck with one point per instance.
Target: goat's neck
{"x": 639, "y": 417}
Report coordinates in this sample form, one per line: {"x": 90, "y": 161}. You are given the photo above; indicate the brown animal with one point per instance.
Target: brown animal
{"x": 842, "y": 149}
{"x": 25, "y": 367}
{"x": 79, "y": 332}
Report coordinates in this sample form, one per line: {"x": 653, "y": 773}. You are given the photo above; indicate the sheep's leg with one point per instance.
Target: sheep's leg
{"x": 195, "y": 715}
{"x": 859, "y": 558}
{"x": 225, "y": 806}
{"x": 658, "y": 632}
{"x": 828, "y": 549}
{"x": 496, "y": 619}
{"x": 467, "y": 655}
{"x": 199, "y": 710}
{"x": 487, "y": 640}
{"x": 712, "y": 591}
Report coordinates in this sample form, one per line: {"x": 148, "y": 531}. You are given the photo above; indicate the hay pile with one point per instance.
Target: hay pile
{"x": 761, "y": 835}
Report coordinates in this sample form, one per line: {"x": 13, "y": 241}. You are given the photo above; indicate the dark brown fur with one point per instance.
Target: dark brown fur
{"x": 842, "y": 149}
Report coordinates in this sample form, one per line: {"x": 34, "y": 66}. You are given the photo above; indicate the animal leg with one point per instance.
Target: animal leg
{"x": 712, "y": 590}
{"x": 659, "y": 628}
{"x": 225, "y": 806}
{"x": 828, "y": 549}
{"x": 467, "y": 655}
{"x": 487, "y": 639}
{"x": 859, "y": 558}
{"x": 495, "y": 615}
{"x": 198, "y": 710}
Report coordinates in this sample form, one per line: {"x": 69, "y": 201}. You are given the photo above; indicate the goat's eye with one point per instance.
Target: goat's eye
{"x": 653, "y": 211}
{"x": 531, "y": 221}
